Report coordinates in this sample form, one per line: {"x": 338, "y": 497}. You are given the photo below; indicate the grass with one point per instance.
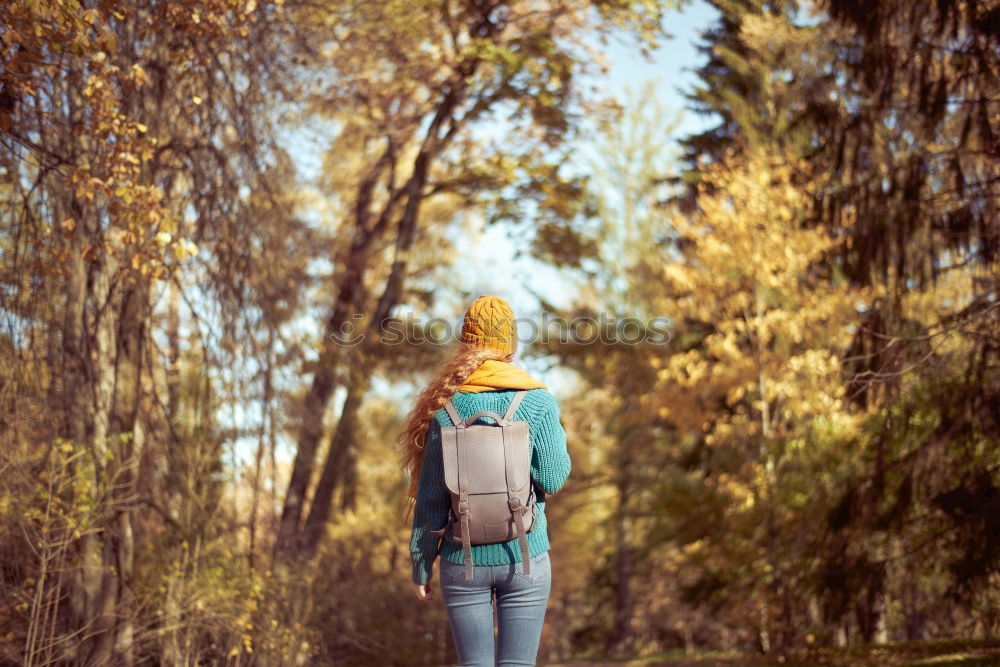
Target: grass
{"x": 942, "y": 653}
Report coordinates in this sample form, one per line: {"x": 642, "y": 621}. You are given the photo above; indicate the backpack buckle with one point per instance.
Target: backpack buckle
{"x": 463, "y": 506}
{"x": 514, "y": 503}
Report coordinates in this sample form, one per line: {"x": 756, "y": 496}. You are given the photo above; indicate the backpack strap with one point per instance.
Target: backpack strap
{"x": 463, "y": 508}
{"x": 517, "y": 510}
{"x": 457, "y": 420}
{"x": 452, "y": 413}
{"x": 469, "y": 421}
{"x": 516, "y": 401}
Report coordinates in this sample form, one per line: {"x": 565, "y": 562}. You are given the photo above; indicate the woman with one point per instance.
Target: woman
{"x": 481, "y": 377}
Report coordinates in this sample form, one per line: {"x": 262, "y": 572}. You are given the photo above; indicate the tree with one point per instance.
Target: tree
{"x": 761, "y": 91}
{"x": 438, "y": 73}
{"x": 760, "y": 333}
{"x": 892, "y": 107}
{"x": 113, "y": 119}
{"x": 612, "y": 357}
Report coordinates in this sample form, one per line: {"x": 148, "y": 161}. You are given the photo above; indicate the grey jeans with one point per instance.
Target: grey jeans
{"x": 521, "y": 601}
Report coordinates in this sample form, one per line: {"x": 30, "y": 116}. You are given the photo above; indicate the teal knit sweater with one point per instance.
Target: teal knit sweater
{"x": 550, "y": 466}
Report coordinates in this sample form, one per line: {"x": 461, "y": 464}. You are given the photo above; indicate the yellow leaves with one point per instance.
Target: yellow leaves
{"x": 94, "y": 83}
{"x": 774, "y": 329}
{"x": 184, "y": 249}
{"x": 679, "y": 275}
{"x": 143, "y": 233}
{"x": 736, "y": 394}
{"x": 197, "y": 99}
{"x": 108, "y": 41}
{"x": 124, "y": 194}
{"x": 724, "y": 345}
{"x": 139, "y": 76}
{"x": 250, "y": 7}
{"x": 765, "y": 32}
{"x": 737, "y": 489}
{"x": 813, "y": 362}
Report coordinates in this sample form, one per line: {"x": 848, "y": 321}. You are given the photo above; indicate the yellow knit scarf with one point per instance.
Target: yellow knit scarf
{"x": 493, "y": 374}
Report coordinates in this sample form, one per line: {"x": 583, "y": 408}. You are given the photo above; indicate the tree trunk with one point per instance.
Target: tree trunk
{"x": 75, "y": 425}
{"x": 620, "y": 638}
{"x": 261, "y": 447}
{"x": 334, "y": 469}
{"x": 764, "y": 632}
{"x": 96, "y": 585}
{"x": 132, "y": 327}
{"x": 104, "y": 333}
{"x": 287, "y": 540}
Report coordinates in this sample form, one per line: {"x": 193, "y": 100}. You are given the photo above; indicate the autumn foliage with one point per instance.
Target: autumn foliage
{"x": 210, "y": 210}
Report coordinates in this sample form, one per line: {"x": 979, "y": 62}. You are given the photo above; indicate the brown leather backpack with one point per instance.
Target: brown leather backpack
{"x": 487, "y": 469}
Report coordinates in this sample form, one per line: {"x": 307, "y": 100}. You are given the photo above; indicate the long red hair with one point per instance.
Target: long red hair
{"x": 446, "y": 382}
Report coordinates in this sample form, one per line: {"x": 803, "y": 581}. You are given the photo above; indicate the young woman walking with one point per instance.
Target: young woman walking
{"x": 480, "y": 376}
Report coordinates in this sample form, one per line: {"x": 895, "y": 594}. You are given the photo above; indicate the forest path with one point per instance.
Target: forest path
{"x": 950, "y": 653}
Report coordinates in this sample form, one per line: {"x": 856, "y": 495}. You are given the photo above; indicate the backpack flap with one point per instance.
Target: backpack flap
{"x": 487, "y": 472}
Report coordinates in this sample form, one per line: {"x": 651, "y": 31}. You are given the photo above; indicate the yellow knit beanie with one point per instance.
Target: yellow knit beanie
{"x": 489, "y": 322}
